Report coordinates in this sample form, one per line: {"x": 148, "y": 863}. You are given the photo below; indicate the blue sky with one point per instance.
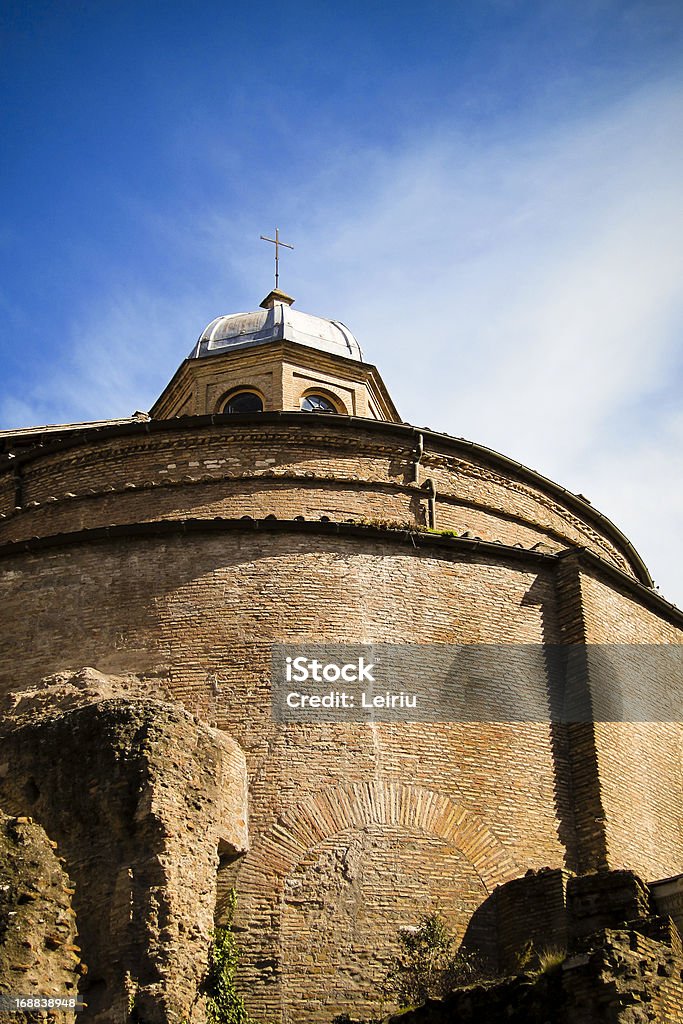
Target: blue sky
{"x": 489, "y": 193}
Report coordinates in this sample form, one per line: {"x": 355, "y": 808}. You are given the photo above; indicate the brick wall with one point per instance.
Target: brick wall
{"x": 420, "y": 810}
{"x": 640, "y": 763}
{"x": 281, "y": 372}
{"x": 337, "y": 469}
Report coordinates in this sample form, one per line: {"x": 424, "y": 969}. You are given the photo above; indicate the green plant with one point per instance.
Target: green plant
{"x": 427, "y": 964}
{"x": 550, "y": 958}
{"x": 224, "y": 1005}
{"x": 526, "y": 957}
{"x": 381, "y": 523}
{"x": 534, "y": 961}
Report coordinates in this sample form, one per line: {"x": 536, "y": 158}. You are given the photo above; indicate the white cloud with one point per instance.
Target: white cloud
{"x": 527, "y": 294}
{"x": 118, "y": 356}
{"x": 638, "y": 484}
{"x": 15, "y": 411}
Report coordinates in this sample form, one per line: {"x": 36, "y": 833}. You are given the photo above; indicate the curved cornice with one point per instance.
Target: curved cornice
{"x": 437, "y": 541}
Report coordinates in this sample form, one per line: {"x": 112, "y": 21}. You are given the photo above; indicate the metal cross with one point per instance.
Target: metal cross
{"x": 277, "y": 243}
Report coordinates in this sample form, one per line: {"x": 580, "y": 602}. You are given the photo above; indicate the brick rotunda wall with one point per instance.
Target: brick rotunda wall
{"x": 289, "y": 465}
{"x": 356, "y": 829}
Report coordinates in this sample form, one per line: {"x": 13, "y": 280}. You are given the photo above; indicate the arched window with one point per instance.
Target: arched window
{"x": 243, "y": 401}
{"x": 317, "y": 403}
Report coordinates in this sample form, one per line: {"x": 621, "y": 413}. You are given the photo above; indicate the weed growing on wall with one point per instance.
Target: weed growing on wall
{"x": 428, "y": 965}
{"x": 224, "y": 1005}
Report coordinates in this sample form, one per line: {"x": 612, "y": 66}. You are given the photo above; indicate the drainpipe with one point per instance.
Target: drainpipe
{"x": 18, "y": 484}
{"x": 430, "y": 488}
{"x": 419, "y": 451}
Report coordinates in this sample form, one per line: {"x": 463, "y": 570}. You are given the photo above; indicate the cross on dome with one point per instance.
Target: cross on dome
{"x": 277, "y": 243}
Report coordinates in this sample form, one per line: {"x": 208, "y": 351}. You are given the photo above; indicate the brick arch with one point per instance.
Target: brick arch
{"x": 333, "y": 810}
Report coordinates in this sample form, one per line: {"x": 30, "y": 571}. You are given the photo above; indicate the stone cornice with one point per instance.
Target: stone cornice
{"x": 270, "y": 524}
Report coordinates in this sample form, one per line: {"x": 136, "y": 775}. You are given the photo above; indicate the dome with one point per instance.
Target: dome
{"x": 275, "y": 321}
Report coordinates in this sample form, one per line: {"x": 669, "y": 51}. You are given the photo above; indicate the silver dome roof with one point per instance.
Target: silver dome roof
{"x": 278, "y": 323}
